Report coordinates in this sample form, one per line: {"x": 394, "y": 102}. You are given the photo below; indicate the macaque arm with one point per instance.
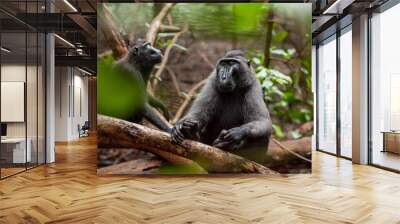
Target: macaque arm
{"x": 257, "y": 120}
{"x": 157, "y": 104}
{"x": 153, "y": 118}
{"x": 203, "y": 108}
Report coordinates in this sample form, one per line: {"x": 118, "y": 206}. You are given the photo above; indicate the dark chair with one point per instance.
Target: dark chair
{"x": 84, "y": 130}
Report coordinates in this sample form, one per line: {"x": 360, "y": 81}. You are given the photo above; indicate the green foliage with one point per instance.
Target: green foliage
{"x": 180, "y": 169}
{"x": 280, "y": 94}
{"x": 278, "y": 131}
{"x": 119, "y": 93}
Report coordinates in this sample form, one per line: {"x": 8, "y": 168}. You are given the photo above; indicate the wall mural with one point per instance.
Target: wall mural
{"x": 204, "y": 88}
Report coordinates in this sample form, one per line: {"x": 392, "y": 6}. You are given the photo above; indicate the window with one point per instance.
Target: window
{"x": 385, "y": 89}
{"x": 327, "y": 96}
{"x": 346, "y": 92}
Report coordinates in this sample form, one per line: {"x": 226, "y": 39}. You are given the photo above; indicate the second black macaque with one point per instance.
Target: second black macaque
{"x": 139, "y": 62}
{"x": 229, "y": 112}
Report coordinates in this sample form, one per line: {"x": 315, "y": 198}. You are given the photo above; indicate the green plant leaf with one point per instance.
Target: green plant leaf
{"x": 280, "y": 37}
{"x": 180, "y": 47}
{"x": 119, "y": 93}
{"x": 278, "y": 131}
{"x": 295, "y": 134}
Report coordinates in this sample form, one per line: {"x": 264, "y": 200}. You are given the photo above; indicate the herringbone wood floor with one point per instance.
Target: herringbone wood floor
{"x": 69, "y": 191}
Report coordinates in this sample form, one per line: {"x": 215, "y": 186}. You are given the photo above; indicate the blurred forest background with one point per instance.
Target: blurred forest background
{"x": 192, "y": 37}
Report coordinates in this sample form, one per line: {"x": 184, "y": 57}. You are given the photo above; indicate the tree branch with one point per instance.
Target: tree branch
{"x": 268, "y": 38}
{"x": 117, "y": 133}
{"x": 174, "y": 80}
{"x": 112, "y": 36}
{"x": 298, "y": 155}
{"x": 206, "y": 60}
{"x": 169, "y": 28}
{"x": 185, "y": 103}
{"x": 156, "y": 23}
{"x": 164, "y": 62}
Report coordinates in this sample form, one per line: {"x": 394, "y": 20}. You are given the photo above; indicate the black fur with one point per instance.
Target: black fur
{"x": 139, "y": 62}
{"x": 229, "y": 112}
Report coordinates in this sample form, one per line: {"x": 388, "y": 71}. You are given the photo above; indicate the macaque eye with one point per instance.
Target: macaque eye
{"x": 136, "y": 50}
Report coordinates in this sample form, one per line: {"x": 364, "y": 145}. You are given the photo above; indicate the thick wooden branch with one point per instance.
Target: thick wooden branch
{"x": 117, "y": 133}
{"x": 112, "y": 36}
{"x": 156, "y": 23}
{"x": 289, "y": 156}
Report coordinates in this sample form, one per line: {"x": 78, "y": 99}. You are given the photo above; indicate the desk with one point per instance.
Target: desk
{"x": 13, "y": 150}
{"x": 391, "y": 141}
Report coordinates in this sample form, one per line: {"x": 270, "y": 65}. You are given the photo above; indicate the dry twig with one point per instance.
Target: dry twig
{"x": 164, "y": 62}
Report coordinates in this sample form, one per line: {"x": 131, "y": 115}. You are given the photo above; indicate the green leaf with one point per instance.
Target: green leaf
{"x": 285, "y": 53}
{"x": 295, "y": 134}
{"x": 181, "y": 169}
{"x": 180, "y": 47}
{"x": 120, "y": 93}
{"x": 256, "y": 61}
{"x": 280, "y": 37}
{"x": 184, "y": 94}
{"x": 166, "y": 34}
{"x": 278, "y": 131}
{"x": 279, "y": 77}
{"x": 296, "y": 116}
{"x": 262, "y": 73}
{"x": 278, "y": 52}
{"x": 267, "y": 84}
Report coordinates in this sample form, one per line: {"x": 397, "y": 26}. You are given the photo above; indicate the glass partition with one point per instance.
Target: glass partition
{"x": 13, "y": 110}
{"x": 32, "y": 96}
{"x": 22, "y": 88}
{"x": 327, "y": 95}
{"x": 41, "y": 91}
{"x": 346, "y": 93}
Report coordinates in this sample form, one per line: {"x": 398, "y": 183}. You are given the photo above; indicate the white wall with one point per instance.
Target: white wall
{"x": 71, "y": 102}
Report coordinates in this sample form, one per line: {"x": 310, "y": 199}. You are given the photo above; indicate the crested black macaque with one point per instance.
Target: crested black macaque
{"x": 229, "y": 112}
{"x": 139, "y": 62}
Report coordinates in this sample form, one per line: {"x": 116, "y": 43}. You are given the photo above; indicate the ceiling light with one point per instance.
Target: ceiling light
{"x": 84, "y": 71}
{"x": 65, "y": 41}
{"x": 338, "y": 6}
{"x": 70, "y": 5}
{"x": 5, "y": 50}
